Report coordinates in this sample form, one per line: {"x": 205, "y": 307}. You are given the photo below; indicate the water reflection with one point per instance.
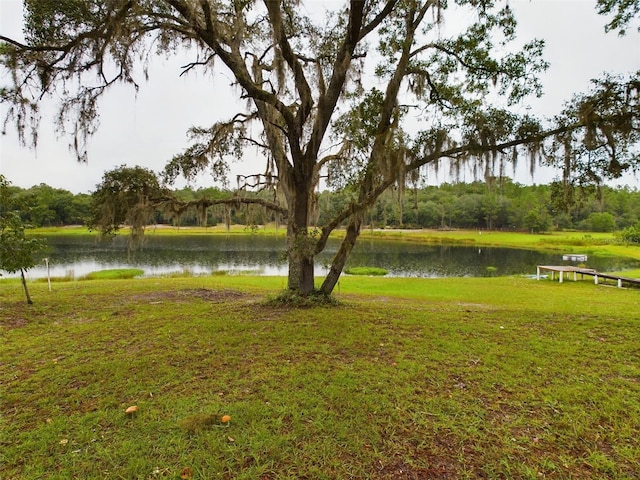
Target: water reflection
{"x": 263, "y": 255}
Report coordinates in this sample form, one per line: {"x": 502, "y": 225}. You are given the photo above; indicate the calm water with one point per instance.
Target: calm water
{"x": 263, "y": 255}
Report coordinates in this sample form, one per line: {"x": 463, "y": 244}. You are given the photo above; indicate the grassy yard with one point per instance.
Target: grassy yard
{"x": 406, "y": 379}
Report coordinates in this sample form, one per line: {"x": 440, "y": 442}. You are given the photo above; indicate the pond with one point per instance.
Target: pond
{"x": 76, "y": 256}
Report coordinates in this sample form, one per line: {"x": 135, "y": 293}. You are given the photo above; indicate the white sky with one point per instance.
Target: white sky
{"x": 148, "y": 129}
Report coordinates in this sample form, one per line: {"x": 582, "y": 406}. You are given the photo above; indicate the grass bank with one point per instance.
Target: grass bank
{"x": 409, "y": 378}
{"x": 567, "y": 242}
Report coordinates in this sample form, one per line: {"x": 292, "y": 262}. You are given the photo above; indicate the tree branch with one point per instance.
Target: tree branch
{"x": 235, "y": 201}
{"x": 234, "y": 62}
{"x": 301, "y": 83}
{"x": 327, "y": 102}
{"x": 191, "y": 65}
{"x": 384, "y": 13}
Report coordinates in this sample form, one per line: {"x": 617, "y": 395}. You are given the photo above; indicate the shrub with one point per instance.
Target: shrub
{"x": 366, "y": 271}
{"x": 601, "y": 222}
{"x": 631, "y": 234}
{"x": 116, "y": 273}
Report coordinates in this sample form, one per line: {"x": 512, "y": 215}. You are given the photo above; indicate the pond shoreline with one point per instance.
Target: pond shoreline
{"x": 195, "y": 251}
{"x": 567, "y": 241}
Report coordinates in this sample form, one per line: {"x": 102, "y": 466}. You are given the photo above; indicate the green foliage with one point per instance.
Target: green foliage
{"x": 601, "y": 222}
{"x": 44, "y": 206}
{"x": 537, "y": 220}
{"x": 126, "y": 196}
{"x": 17, "y": 251}
{"x": 624, "y": 12}
{"x": 605, "y": 147}
{"x": 499, "y": 205}
{"x": 631, "y": 234}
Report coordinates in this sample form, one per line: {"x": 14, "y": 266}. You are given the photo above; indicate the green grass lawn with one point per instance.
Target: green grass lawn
{"x": 407, "y": 378}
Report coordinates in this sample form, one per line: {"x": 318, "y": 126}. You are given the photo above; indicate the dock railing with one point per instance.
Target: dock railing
{"x": 565, "y": 270}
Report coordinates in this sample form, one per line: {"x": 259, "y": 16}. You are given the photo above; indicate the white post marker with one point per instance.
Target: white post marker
{"x": 46, "y": 262}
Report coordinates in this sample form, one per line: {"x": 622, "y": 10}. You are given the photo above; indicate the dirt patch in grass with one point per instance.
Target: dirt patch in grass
{"x": 9, "y": 322}
{"x": 207, "y": 295}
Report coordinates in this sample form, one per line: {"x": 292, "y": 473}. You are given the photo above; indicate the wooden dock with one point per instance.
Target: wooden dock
{"x": 575, "y": 257}
{"x": 566, "y": 271}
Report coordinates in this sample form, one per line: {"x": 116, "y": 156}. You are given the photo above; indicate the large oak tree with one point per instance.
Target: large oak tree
{"x": 364, "y": 97}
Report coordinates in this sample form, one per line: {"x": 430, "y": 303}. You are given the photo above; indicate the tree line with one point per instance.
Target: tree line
{"x": 494, "y": 205}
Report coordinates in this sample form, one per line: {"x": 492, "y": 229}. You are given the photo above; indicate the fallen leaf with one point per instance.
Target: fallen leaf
{"x": 131, "y": 409}
{"x": 64, "y": 441}
{"x": 231, "y": 439}
{"x": 186, "y": 473}
{"x": 225, "y": 419}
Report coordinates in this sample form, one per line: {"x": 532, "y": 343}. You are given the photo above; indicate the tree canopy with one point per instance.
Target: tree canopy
{"x": 364, "y": 98}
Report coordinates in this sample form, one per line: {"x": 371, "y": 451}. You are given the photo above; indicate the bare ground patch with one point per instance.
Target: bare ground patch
{"x": 11, "y": 319}
{"x": 207, "y": 295}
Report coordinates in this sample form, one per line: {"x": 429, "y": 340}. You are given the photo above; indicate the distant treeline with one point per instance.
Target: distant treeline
{"x": 504, "y": 205}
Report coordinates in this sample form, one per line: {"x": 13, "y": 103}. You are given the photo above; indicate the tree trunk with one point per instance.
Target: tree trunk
{"x": 300, "y": 245}
{"x": 301, "y": 265}
{"x": 24, "y": 285}
{"x": 340, "y": 258}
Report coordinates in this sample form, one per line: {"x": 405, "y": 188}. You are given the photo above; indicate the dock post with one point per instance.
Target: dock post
{"x": 595, "y": 279}
{"x": 561, "y": 275}
{"x": 537, "y": 273}
{"x": 619, "y": 283}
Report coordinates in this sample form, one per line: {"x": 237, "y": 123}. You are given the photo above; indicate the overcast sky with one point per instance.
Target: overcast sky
{"x": 148, "y": 129}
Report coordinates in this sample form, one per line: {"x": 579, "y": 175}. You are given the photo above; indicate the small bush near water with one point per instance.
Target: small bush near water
{"x": 366, "y": 271}
{"x": 116, "y": 273}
